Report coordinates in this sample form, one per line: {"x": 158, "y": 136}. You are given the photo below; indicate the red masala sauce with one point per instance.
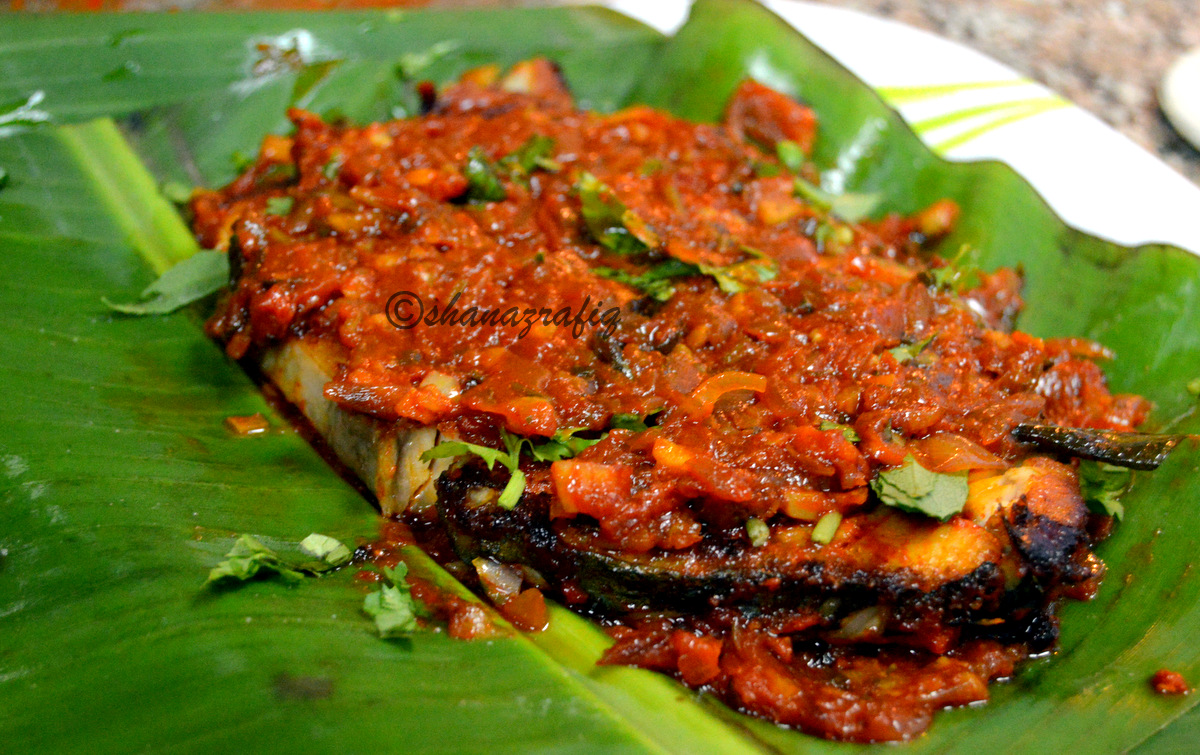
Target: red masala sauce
{"x": 779, "y": 356}
{"x": 1167, "y": 682}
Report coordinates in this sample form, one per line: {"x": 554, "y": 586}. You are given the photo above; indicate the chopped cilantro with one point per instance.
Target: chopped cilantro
{"x": 332, "y": 169}
{"x": 906, "y": 352}
{"x": 534, "y": 153}
{"x": 955, "y": 276}
{"x": 654, "y": 282}
{"x": 732, "y": 279}
{"x": 847, "y": 432}
{"x": 392, "y": 607}
{"x": 634, "y": 422}
{"x": 483, "y": 182}
{"x": 564, "y": 444}
{"x": 833, "y": 237}
{"x": 851, "y": 207}
{"x": 913, "y": 488}
{"x": 193, "y": 279}
{"x": 610, "y": 222}
{"x": 249, "y": 557}
{"x": 241, "y": 161}
{"x": 450, "y": 448}
{"x": 1102, "y": 486}
{"x": 279, "y": 205}
{"x": 758, "y": 532}
{"x": 766, "y": 170}
{"x": 790, "y": 154}
{"x": 326, "y": 549}
{"x": 826, "y": 528}
{"x": 650, "y": 167}
{"x": 561, "y": 446}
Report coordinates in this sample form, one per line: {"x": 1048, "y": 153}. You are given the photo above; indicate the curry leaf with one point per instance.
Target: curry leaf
{"x": 913, "y": 488}
{"x": 198, "y": 276}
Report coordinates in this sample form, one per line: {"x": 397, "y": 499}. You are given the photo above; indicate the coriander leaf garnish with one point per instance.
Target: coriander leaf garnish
{"x": 847, "y": 432}
{"x": 333, "y": 168}
{"x": 249, "y": 557}
{"x": 654, "y": 282}
{"x": 562, "y": 445}
{"x": 765, "y": 169}
{"x": 203, "y": 273}
{"x": 534, "y": 153}
{"x": 955, "y": 276}
{"x": 610, "y": 222}
{"x": 732, "y": 279}
{"x": 635, "y": 422}
{"x": 906, "y": 352}
{"x": 450, "y": 448}
{"x": 483, "y": 182}
{"x": 913, "y": 488}
{"x": 850, "y": 206}
{"x": 326, "y": 549}
{"x": 1102, "y": 486}
{"x": 279, "y": 205}
{"x": 790, "y": 154}
{"x": 392, "y": 607}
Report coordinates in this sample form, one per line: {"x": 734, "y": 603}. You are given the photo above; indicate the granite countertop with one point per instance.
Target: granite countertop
{"x": 1107, "y": 56}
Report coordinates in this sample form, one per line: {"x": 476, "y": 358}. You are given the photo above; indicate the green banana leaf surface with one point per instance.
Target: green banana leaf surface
{"x": 122, "y": 487}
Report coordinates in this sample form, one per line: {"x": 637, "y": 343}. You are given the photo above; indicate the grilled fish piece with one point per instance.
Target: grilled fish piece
{"x": 1022, "y": 529}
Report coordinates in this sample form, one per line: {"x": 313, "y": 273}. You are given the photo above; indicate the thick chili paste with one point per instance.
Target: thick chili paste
{"x": 707, "y": 373}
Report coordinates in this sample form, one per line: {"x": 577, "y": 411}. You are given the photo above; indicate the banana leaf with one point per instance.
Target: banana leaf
{"x": 122, "y": 487}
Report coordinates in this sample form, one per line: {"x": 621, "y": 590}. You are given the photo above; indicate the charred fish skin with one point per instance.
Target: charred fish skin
{"x": 981, "y": 603}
